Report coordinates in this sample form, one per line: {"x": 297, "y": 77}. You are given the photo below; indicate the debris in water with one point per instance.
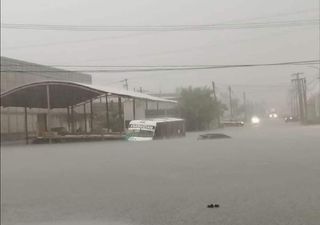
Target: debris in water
{"x": 213, "y": 206}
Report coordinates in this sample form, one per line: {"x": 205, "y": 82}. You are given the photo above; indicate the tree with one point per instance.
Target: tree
{"x": 198, "y": 108}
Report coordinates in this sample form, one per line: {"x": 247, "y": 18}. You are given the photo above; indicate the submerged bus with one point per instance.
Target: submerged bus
{"x": 158, "y": 128}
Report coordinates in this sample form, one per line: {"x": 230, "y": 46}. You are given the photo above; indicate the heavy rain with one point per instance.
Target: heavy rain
{"x": 154, "y": 112}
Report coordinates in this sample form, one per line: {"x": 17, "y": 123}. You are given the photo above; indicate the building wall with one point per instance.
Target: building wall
{"x": 139, "y": 109}
{"x": 160, "y": 105}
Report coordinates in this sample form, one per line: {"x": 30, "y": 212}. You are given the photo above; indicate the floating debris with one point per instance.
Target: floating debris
{"x": 213, "y": 206}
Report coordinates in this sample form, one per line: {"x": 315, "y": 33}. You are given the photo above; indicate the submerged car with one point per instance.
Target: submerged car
{"x": 232, "y": 123}
{"x": 290, "y": 119}
{"x": 255, "y": 120}
{"x": 273, "y": 115}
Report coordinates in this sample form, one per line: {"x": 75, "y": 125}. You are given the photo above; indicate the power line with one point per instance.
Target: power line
{"x": 79, "y": 41}
{"x": 148, "y": 68}
{"x": 303, "y": 62}
{"x": 190, "y": 49}
{"x": 201, "y": 27}
{"x": 256, "y": 85}
{"x": 166, "y": 52}
{"x": 140, "y": 34}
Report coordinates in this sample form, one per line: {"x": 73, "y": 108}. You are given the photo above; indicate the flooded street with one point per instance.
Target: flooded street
{"x": 267, "y": 174}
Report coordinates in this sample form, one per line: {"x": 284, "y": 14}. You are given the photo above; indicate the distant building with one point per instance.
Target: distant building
{"x": 162, "y": 109}
{"x": 16, "y": 73}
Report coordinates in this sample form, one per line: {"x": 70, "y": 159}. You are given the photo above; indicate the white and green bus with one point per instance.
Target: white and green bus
{"x": 157, "y": 128}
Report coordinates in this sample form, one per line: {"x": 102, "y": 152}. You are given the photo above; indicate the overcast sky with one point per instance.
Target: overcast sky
{"x": 243, "y": 46}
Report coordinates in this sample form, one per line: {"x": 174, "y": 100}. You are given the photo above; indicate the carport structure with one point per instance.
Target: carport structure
{"x": 66, "y": 95}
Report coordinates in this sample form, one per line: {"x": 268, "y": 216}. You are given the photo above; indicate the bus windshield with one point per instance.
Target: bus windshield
{"x": 140, "y": 133}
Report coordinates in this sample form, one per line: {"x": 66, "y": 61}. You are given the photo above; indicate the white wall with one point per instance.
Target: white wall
{"x": 128, "y": 109}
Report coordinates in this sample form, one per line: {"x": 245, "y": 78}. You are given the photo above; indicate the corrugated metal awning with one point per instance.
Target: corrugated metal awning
{"x": 63, "y": 94}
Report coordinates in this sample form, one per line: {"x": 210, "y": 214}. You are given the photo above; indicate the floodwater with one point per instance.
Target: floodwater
{"x": 264, "y": 175}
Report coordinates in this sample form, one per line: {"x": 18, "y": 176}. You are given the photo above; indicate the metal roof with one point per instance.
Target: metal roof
{"x": 39, "y": 72}
{"x": 63, "y": 94}
{"x": 166, "y": 119}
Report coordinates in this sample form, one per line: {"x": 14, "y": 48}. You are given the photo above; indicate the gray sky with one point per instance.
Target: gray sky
{"x": 170, "y": 48}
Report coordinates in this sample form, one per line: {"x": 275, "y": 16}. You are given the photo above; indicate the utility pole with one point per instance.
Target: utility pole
{"x": 214, "y": 91}
{"x": 230, "y": 101}
{"x": 245, "y": 107}
{"x": 216, "y": 101}
{"x": 294, "y": 111}
{"x": 297, "y": 84}
{"x": 293, "y": 102}
{"x": 305, "y": 100}
{"x": 125, "y": 84}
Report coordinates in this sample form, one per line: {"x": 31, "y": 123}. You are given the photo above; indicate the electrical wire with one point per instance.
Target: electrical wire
{"x": 148, "y": 68}
{"x": 166, "y": 66}
{"x": 201, "y": 27}
{"x": 115, "y": 37}
{"x": 139, "y": 34}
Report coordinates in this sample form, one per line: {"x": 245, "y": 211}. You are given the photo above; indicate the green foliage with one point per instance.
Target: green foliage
{"x": 198, "y": 108}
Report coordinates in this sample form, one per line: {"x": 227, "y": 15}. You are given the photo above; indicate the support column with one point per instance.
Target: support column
{"x": 48, "y": 113}
{"x": 26, "y": 124}
{"x": 146, "y": 110}
{"x": 107, "y": 113}
{"x": 72, "y": 120}
{"x": 134, "y": 108}
{"x": 85, "y": 118}
{"x": 91, "y": 116}
{"x": 120, "y": 114}
{"x": 68, "y": 118}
